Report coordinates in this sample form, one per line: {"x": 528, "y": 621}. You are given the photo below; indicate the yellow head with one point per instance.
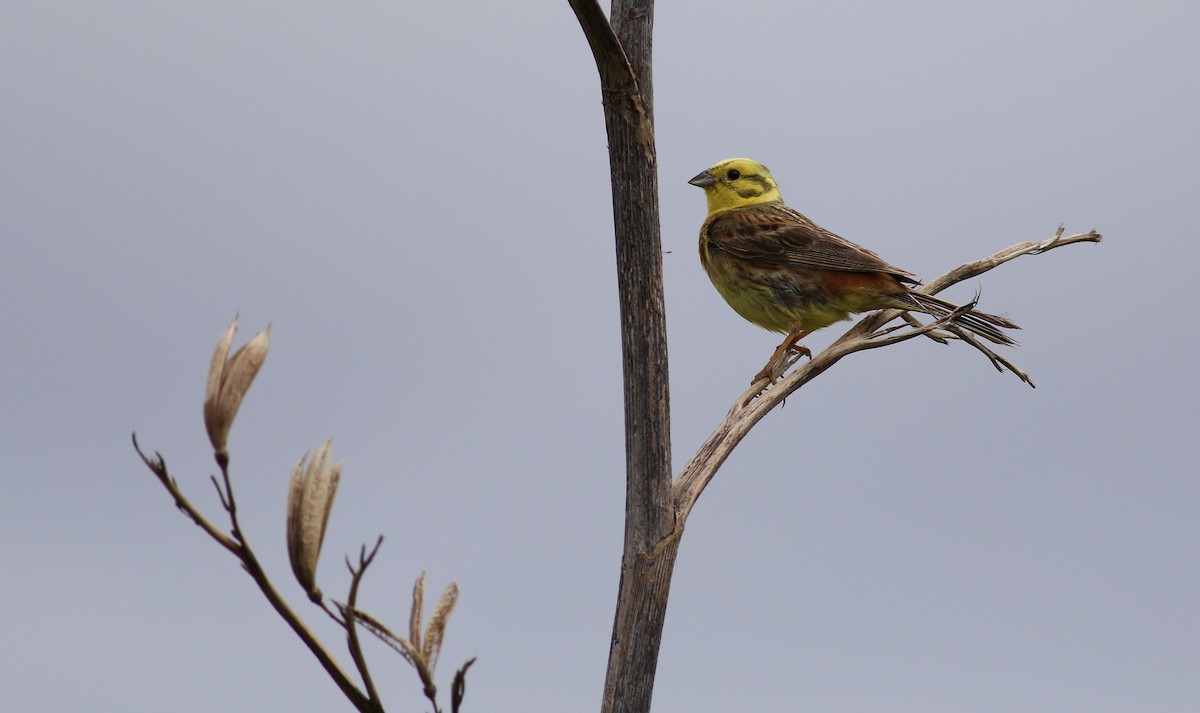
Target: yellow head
{"x": 736, "y": 183}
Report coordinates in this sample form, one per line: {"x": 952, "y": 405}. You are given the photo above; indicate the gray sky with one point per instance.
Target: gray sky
{"x": 415, "y": 196}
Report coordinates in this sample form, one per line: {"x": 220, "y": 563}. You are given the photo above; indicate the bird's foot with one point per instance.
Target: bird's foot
{"x": 780, "y": 361}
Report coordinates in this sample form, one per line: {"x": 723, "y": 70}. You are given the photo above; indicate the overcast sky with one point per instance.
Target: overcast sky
{"x": 415, "y": 196}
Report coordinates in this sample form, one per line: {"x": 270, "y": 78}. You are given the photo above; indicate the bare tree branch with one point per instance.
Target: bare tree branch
{"x": 421, "y": 649}
{"x": 158, "y": 466}
{"x": 622, "y": 51}
{"x": 349, "y": 613}
{"x": 758, "y": 400}
{"x": 242, "y": 550}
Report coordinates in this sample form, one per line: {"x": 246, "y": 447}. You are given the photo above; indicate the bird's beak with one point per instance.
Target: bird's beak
{"x": 704, "y": 179}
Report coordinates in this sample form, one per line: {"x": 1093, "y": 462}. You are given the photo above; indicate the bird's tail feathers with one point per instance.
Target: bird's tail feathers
{"x": 979, "y": 323}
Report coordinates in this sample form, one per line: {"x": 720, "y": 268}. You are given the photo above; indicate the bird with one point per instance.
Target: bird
{"x": 783, "y": 272}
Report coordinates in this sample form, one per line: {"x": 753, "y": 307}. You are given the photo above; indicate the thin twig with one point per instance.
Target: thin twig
{"x": 158, "y": 466}
{"x": 997, "y": 361}
{"x": 228, "y": 500}
{"x": 386, "y": 635}
{"x": 220, "y": 492}
{"x": 939, "y": 337}
{"x": 356, "y": 652}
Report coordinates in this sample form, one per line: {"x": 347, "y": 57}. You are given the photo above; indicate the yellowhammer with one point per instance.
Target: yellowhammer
{"x": 785, "y": 273}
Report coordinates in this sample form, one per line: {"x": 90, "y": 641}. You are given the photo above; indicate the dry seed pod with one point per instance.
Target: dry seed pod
{"x": 437, "y": 625}
{"x": 228, "y": 380}
{"x": 310, "y": 500}
{"x": 414, "y": 620}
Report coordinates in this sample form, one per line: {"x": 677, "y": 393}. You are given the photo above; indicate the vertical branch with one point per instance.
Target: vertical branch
{"x": 639, "y": 279}
{"x": 623, "y": 57}
{"x": 633, "y": 24}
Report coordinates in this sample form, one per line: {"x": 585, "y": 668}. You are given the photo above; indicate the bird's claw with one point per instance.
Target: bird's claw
{"x": 779, "y": 363}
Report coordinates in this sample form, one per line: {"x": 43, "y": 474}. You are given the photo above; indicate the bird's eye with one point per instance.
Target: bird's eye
{"x": 733, "y": 174}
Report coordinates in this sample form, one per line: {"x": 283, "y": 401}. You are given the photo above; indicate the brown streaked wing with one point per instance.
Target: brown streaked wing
{"x": 774, "y": 236}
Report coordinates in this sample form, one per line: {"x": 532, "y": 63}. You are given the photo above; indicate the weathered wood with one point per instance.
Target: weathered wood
{"x": 623, "y": 58}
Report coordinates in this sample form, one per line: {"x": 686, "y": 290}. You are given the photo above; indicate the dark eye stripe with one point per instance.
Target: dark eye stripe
{"x": 762, "y": 185}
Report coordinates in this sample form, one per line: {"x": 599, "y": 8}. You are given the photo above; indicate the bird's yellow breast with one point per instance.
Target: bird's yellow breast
{"x": 755, "y": 302}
